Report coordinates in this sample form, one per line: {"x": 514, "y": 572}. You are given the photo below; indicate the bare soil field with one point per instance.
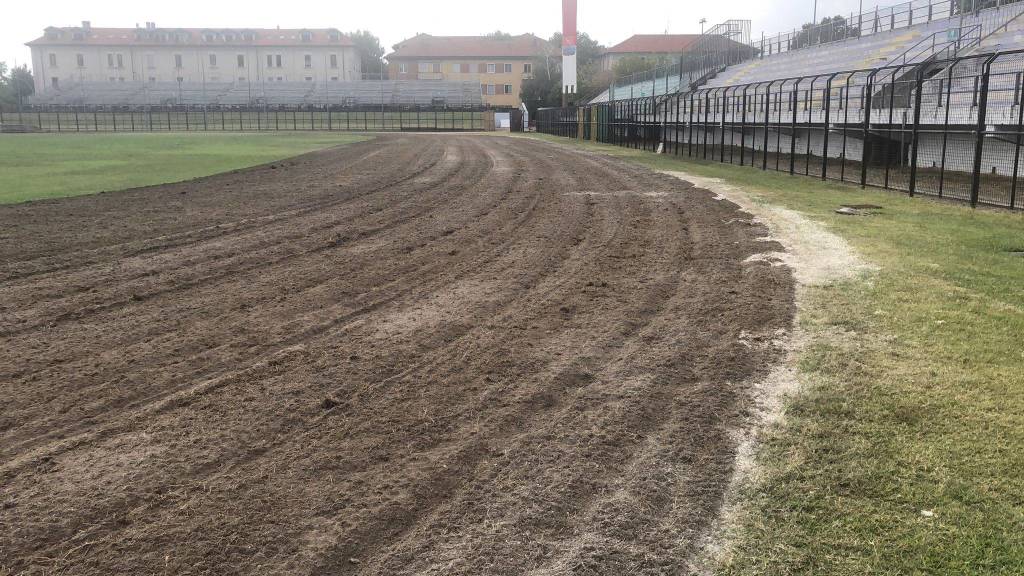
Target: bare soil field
{"x": 422, "y": 354}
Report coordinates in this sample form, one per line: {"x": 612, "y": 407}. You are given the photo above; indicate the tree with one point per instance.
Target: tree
{"x": 370, "y": 50}
{"x": 830, "y": 29}
{"x": 545, "y": 89}
{"x": 632, "y": 64}
{"x": 498, "y": 34}
{"x": 15, "y": 85}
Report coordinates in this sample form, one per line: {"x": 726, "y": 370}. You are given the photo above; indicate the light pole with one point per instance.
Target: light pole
{"x": 702, "y": 21}
{"x": 814, "y": 18}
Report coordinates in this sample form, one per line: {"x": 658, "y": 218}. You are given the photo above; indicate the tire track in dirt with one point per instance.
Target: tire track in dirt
{"x": 291, "y": 341}
{"x": 533, "y": 370}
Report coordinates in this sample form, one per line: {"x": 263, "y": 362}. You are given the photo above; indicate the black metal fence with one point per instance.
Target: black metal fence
{"x": 224, "y": 119}
{"x": 951, "y": 128}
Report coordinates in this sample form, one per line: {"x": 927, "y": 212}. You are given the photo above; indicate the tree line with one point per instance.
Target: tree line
{"x": 16, "y": 85}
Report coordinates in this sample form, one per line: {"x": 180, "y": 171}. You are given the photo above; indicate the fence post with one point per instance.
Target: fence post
{"x": 914, "y": 137}
{"x": 767, "y": 117}
{"x": 865, "y": 153}
{"x": 743, "y": 128}
{"x": 1016, "y": 148}
{"x": 828, "y": 110}
{"x": 980, "y": 129}
{"x": 689, "y": 141}
{"x": 792, "y": 134}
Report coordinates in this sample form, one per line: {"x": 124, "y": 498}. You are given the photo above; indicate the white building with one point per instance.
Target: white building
{"x": 63, "y": 57}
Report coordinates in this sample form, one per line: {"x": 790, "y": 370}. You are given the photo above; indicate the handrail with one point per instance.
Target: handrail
{"x": 962, "y": 33}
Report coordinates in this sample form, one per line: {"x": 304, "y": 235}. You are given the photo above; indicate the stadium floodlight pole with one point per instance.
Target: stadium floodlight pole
{"x": 814, "y": 20}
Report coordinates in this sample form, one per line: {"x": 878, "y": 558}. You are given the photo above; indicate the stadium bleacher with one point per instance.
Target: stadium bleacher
{"x": 1000, "y": 27}
{"x": 370, "y": 92}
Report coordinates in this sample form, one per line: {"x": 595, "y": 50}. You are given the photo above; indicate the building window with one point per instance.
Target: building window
{"x": 213, "y": 60}
{"x": 307, "y": 36}
{"x": 508, "y": 68}
{"x": 177, "y": 61}
{"x": 270, "y": 60}
{"x": 120, "y": 60}
{"x": 334, "y": 78}
{"x": 308, "y": 60}
{"x": 241, "y": 78}
{"x": 334, "y": 60}
{"x": 491, "y": 68}
{"x": 241, "y": 60}
{"x": 80, "y": 60}
{"x": 487, "y": 89}
{"x": 53, "y": 60}
{"x": 508, "y": 88}
{"x": 110, "y": 60}
{"x": 430, "y": 67}
{"x": 456, "y": 68}
{"x": 152, "y": 79}
{"x": 401, "y": 68}
{"x": 277, "y": 60}
{"x": 309, "y": 78}
{"x": 55, "y": 82}
{"x": 528, "y": 68}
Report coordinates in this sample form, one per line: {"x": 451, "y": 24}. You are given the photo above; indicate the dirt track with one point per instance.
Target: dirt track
{"x": 417, "y": 355}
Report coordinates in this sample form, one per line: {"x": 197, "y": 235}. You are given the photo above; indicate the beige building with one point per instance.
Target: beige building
{"x": 66, "y": 56}
{"x": 499, "y": 65}
{"x": 652, "y": 47}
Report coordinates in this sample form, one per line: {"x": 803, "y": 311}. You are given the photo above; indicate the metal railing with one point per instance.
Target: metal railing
{"x": 665, "y": 79}
{"x": 95, "y": 119}
{"x": 950, "y": 127}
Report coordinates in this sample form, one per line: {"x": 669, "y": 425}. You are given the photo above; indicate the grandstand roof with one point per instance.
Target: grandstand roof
{"x": 152, "y": 36}
{"x": 655, "y": 43}
{"x": 427, "y": 46}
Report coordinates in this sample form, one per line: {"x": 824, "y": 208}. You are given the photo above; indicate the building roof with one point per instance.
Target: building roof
{"x": 655, "y": 44}
{"x": 153, "y": 36}
{"x": 427, "y": 46}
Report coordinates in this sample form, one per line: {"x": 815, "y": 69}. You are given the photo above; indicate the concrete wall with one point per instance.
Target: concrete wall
{"x": 157, "y": 63}
{"x": 470, "y": 69}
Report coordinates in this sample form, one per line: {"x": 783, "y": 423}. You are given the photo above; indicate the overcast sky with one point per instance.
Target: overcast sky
{"x": 609, "y": 21}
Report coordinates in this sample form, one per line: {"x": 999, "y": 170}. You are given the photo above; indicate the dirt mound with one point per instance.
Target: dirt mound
{"x": 421, "y": 354}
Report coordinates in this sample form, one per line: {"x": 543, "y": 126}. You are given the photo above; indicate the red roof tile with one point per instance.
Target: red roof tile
{"x": 655, "y": 44}
{"x": 427, "y": 46}
{"x": 190, "y": 37}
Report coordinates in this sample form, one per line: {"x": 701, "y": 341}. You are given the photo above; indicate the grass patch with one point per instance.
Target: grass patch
{"x": 914, "y": 397}
{"x": 36, "y": 166}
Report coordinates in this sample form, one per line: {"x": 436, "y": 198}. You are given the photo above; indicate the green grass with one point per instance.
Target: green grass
{"x": 913, "y": 398}
{"x": 36, "y": 166}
